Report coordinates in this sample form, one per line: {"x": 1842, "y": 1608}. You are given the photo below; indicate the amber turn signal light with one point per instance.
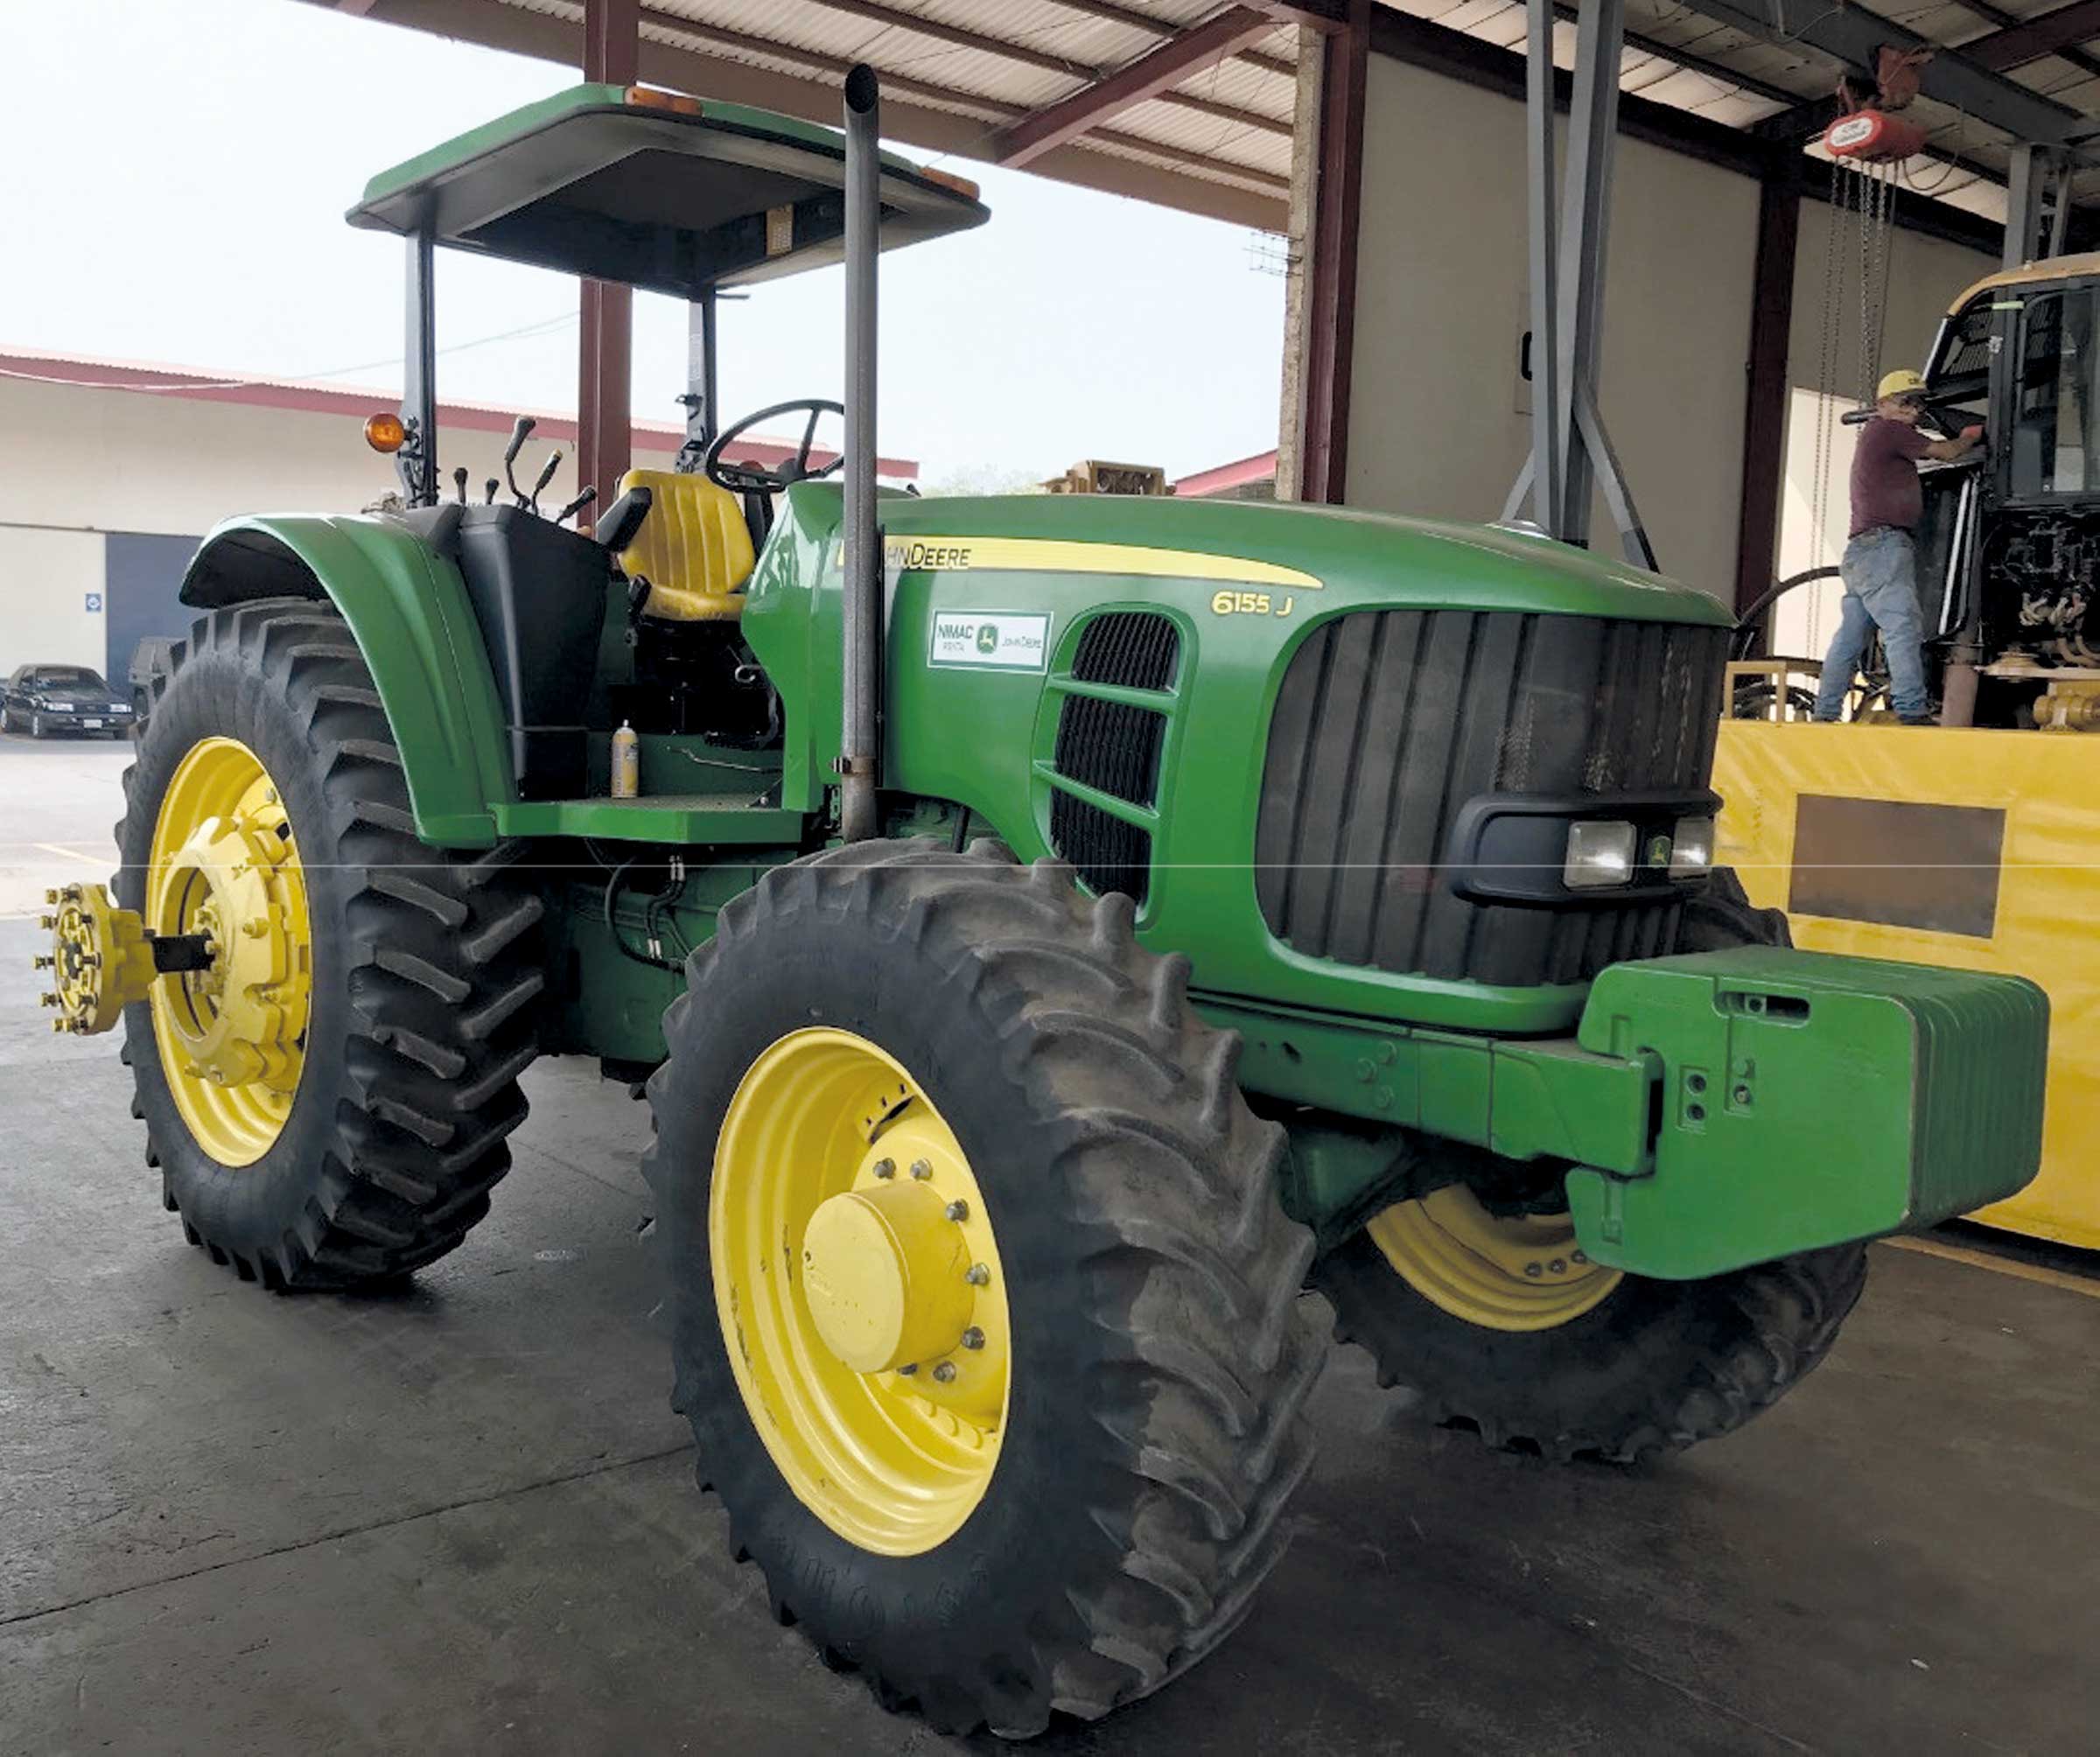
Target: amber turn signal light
{"x": 385, "y": 432}
{"x": 654, "y": 97}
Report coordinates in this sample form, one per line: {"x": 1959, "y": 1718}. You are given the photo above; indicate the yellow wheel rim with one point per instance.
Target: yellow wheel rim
{"x": 1500, "y": 1271}
{"x": 859, "y": 1291}
{"x": 232, "y": 1038}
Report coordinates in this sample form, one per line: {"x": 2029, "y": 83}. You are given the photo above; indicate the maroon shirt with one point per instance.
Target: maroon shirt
{"x": 1885, "y": 476}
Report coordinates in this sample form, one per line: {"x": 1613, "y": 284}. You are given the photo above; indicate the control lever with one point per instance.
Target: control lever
{"x": 459, "y": 483}
{"x": 554, "y": 463}
{"x": 576, "y": 506}
{"x": 492, "y": 486}
{"x": 521, "y": 430}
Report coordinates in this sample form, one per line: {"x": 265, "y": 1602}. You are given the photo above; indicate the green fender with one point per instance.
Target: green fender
{"x": 408, "y": 610}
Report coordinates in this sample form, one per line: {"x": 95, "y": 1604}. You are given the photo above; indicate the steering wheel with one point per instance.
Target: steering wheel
{"x": 748, "y": 478}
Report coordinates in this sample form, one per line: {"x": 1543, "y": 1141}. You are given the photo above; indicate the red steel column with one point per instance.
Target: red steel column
{"x": 604, "y": 434}
{"x": 1331, "y": 323}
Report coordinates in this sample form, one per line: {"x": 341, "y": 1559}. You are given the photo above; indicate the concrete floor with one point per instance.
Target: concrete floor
{"x": 464, "y": 1518}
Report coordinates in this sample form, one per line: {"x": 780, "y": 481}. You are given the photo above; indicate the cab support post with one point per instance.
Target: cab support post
{"x": 862, "y": 584}
{"x": 417, "y": 461}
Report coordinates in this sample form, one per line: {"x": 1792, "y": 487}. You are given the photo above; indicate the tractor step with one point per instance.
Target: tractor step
{"x": 686, "y": 818}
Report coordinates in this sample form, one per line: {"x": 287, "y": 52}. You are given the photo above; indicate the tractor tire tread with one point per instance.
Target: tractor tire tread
{"x": 439, "y": 956}
{"x": 1199, "y": 1430}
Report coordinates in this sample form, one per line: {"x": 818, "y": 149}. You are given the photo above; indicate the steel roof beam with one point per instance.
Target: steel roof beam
{"x": 1850, "y": 34}
{"x": 1111, "y": 13}
{"x": 993, "y": 110}
{"x": 1151, "y": 73}
{"x": 872, "y": 11}
{"x": 2047, "y": 33}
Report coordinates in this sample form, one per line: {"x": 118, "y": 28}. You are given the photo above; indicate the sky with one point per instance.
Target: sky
{"x": 179, "y": 170}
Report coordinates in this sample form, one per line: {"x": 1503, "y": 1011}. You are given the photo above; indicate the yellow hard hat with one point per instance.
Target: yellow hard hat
{"x": 1903, "y": 383}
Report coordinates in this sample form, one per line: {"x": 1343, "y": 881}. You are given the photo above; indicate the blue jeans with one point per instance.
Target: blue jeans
{"x": 1879, "y": 570}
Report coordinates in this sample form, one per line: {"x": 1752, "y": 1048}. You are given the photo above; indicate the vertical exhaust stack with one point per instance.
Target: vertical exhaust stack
{"x": 863, "y": 607}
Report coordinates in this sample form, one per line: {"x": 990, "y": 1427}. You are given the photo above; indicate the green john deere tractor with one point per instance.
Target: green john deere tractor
{"x": 1054, "y": 931}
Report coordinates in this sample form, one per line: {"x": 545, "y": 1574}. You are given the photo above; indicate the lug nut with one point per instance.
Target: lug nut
{"x": 1578, "y": 1257}
{"x": 58, "y": 1024}
{"x": 1533, "y": 1270}
{"x": 71, "y": 894}
{"x": 973, "y": 1338}
{"x": 40, "y": 963}
{"x": 51, "y": 896}
{"x": 957, "y": 1210}
{"x": 48, "y": 1000}
{"x": 945, "y": 1373}
{"x": 1557, "y": 1267}
{"x": 885, "y": 1168}
{"x": 47, "y": 922}
{"x": 977, "y": 1275}
{"x": 921, "y": 1170}
{"x": 907, "y": 1369}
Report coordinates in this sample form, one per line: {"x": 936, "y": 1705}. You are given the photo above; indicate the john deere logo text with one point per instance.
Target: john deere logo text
{"x": 989, "y": 641}
{"x": 922, "y": 557}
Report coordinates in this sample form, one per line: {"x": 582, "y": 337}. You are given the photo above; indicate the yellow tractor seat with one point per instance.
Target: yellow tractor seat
{"x": 694, "y": 549}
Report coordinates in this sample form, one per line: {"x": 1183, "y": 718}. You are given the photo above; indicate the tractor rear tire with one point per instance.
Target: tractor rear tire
{"x": 1157, "y": 1355}
{"x": 1656, "y": 1366}
{"x": 422, "y": 966}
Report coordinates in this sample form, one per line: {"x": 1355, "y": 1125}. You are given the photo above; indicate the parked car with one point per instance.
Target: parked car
{"x": 62, "y": 698}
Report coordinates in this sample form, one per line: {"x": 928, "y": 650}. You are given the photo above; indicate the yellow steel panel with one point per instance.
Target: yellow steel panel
{"x": 2047, "y": 924}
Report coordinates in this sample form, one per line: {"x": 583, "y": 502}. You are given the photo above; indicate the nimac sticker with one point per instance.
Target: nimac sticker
{"x": 991, "y": 641}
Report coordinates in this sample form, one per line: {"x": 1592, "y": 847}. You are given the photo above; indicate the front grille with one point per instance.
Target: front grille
{"x": 1135, "y": 649}
{"x": 1388, "y": 721}
{"x": 1112, "y": 746}
{"x": 1109, "y": 854}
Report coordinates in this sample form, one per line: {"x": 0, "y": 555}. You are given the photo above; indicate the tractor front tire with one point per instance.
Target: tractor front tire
{"x": 1657, "y": 1367}
{"x": 1652, "y": 1366}
{"x": 416, "y": 967}
{"x": 1102, "y": 1514}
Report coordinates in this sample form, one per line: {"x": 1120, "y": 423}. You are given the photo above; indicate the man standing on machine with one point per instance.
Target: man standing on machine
{"x": 1881, "y": 564}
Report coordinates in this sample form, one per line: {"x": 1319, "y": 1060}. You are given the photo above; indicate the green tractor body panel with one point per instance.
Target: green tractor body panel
{"x": 408, "y": 609}
{"x": 1243, "y": 585}
{"x": 1806, "y": 1100}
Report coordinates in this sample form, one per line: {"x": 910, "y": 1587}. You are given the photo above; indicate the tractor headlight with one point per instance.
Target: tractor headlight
{"x": 1691, "y": 848}
{"x": 1601, "y": 853}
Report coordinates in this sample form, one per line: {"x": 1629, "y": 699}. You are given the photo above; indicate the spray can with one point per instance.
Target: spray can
{"x": 626, "y": 763}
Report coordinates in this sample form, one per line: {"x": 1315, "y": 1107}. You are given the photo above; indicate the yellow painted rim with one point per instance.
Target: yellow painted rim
{"x": 859, "y": 1286}
{"x": 233, "y": 1038}
{"x": 1500, "y": 1271}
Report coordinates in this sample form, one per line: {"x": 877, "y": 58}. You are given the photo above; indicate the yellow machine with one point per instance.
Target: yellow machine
{"x": 1954, "y": 846}
{"x": 1976, "y": 842}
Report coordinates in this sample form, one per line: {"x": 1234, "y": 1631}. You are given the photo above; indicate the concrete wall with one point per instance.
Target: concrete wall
{"x": 76, "y": 465}
{"x": 1437, "y": 410}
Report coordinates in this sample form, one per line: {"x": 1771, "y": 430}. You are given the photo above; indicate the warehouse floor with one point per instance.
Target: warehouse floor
{"x": 462, "y": 1517}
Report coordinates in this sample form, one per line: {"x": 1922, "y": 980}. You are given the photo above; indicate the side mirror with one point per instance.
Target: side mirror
{"x": 623, "y": 519}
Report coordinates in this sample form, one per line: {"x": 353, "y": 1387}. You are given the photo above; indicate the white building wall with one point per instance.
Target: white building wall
{"x": 48, "y": 581}
{"x": 76, "y": 463}
{"x": 1438, "y": 413}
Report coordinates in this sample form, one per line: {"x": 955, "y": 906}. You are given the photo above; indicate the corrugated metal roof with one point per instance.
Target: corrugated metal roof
{"x": 993, "y": 62}
{"x": 1219, "y": 140}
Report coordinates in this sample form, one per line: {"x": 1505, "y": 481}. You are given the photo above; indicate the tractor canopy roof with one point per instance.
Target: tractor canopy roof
{"x": 654, "y": 189}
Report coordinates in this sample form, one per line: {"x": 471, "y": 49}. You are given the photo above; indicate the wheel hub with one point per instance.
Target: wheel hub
{"x": 224, "y": 872}
{"x": 100, "y": 960}
{"x": 1501, "y": 1271}
{"x": 239, "y": 1026}
{"x": 884, "y": 1271}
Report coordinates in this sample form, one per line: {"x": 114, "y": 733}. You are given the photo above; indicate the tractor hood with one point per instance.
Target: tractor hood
{"x": 1353, "y": 555}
